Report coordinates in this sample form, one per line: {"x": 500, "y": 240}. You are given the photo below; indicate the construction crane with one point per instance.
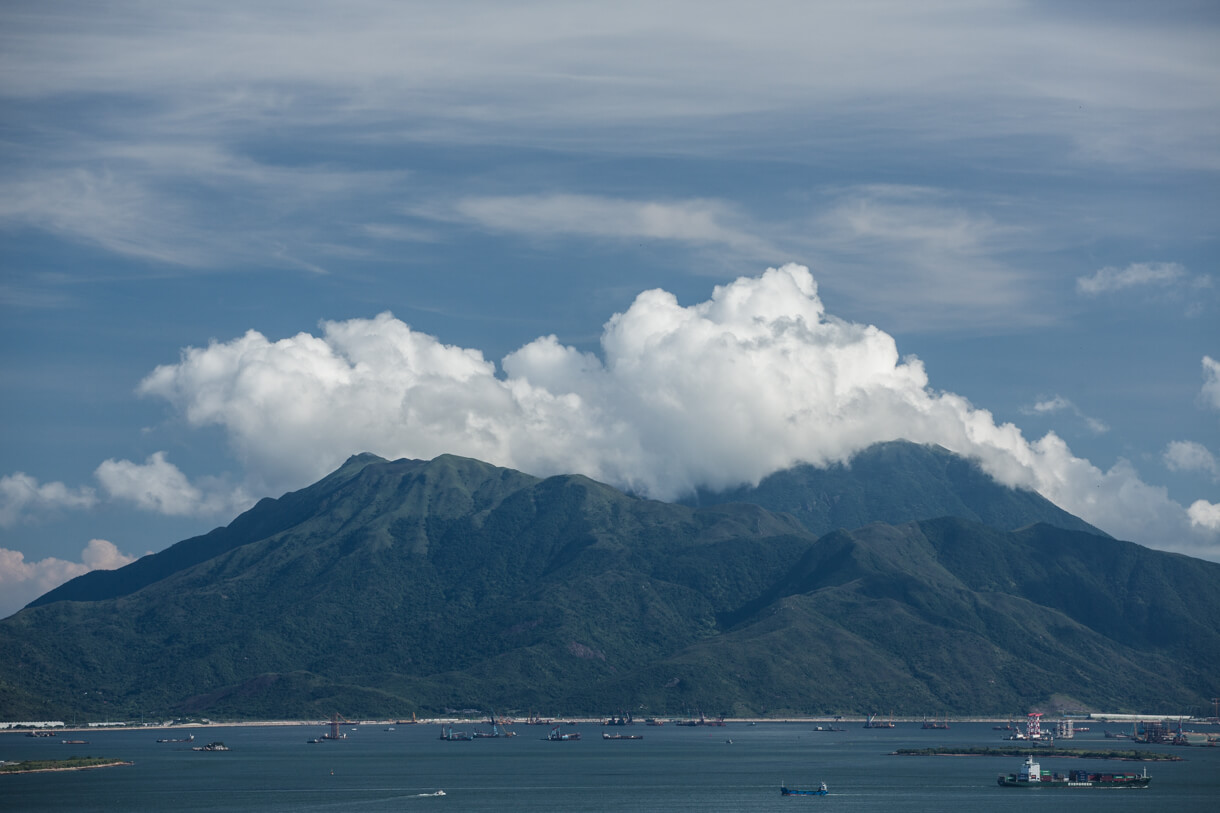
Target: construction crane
{"x": 334, "y": 728}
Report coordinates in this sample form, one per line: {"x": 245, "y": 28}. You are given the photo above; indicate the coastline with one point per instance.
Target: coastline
{"x": 469, "y": 719}
{"x": 114, "y": 764}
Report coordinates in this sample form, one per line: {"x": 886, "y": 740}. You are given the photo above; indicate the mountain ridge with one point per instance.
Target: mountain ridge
{"x": 894, "y": 482}
{"x": 392, "y": 587}
{"x": 821, "y": 499}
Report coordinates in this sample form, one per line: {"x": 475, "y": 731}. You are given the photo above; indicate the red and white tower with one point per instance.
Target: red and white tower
{"x": 1033, "y": 726}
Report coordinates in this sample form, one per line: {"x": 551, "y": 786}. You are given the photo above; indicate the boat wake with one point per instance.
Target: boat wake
{"x": 423, "y": 795}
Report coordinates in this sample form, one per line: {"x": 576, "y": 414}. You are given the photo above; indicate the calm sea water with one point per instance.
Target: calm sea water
{"x": 671, "y": 769}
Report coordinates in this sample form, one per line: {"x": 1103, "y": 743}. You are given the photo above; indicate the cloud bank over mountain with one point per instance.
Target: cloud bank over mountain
{"x": 755, "y": 379}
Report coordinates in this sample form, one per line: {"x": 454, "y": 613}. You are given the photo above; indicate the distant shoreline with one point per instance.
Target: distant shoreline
{"x": 563, "y": 720}
{"x": 470, "y": 719}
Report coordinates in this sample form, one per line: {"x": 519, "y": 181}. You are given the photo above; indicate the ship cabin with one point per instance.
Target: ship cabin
{"x": 1031, "y": 771}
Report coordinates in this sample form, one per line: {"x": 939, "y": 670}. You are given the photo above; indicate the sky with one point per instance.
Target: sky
{"x": 663, "y": 244}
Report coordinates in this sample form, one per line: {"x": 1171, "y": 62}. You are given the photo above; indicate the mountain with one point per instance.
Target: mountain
{"x": 413, "y": 586}
{"x": 896, "y": 482}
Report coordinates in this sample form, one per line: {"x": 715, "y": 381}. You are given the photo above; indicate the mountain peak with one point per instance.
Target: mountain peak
{"x": 361, "y": 460}
{"x": 396, "y": 586}
{"x": 895, "y": 482}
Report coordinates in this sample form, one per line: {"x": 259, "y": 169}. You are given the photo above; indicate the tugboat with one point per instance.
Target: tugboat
{"x": 560, "y": 736}
{"x": 1031, "y": 775}
{"x": 822, "y": 790}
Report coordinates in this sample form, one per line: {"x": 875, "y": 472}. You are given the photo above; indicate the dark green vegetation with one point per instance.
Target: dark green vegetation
{"x": 69, "y": 764}
{"x": 894, "y": 483}
{"x": 1041, "y": 750}
{"x": 396, "y": 587}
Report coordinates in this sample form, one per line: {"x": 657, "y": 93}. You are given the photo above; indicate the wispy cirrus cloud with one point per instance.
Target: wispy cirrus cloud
{"x": 692, "y": 72}
{"x": 699, "y": 222}
{"x": 189, "y": 161}
{"x": 171, "y": 160}
{"x": 916, "y": 255}
{"x": 114, "y": 211}
{"x": 1155, "y": 281}
{"x": 126, "y": 199}
{"x": 1136, "y": 275}
{"x": 893, "y": 245}
{"x": 1058, "y": 403}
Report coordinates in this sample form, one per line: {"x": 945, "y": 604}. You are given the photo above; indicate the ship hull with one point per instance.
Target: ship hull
{"x": 1009, "y": 782}
{"x": 1032, "y": 776}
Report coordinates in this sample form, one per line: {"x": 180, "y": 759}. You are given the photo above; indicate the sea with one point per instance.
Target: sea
{"x": 738, "y": 767}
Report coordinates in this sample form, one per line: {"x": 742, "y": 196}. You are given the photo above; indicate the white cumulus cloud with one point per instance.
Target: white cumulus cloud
{"x": 159, "y": 486}
{"x": 1186, "y": 455}
{"x": 1211, "y": 382}
{"x": 1205, "y": 515}
{"x": 155, "y": 485}
{"x": 22, "y": 496}
{"x": 755, "y": 379}
{"x": 23, "y": 581}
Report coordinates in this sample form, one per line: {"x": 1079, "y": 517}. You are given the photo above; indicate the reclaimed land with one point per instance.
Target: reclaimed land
{"x": 1129, "y": 755}
{"x": 70, "y": 764}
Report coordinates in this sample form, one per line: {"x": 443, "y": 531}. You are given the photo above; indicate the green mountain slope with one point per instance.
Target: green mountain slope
{"x": 896, "y": 482}
{"x": 948, "y": 614}
{"x": 396, "y": 587}
{"x": 268, "y": 517}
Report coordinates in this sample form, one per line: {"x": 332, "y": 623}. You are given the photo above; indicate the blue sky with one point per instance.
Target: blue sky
{"x": 662, "y": 244}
